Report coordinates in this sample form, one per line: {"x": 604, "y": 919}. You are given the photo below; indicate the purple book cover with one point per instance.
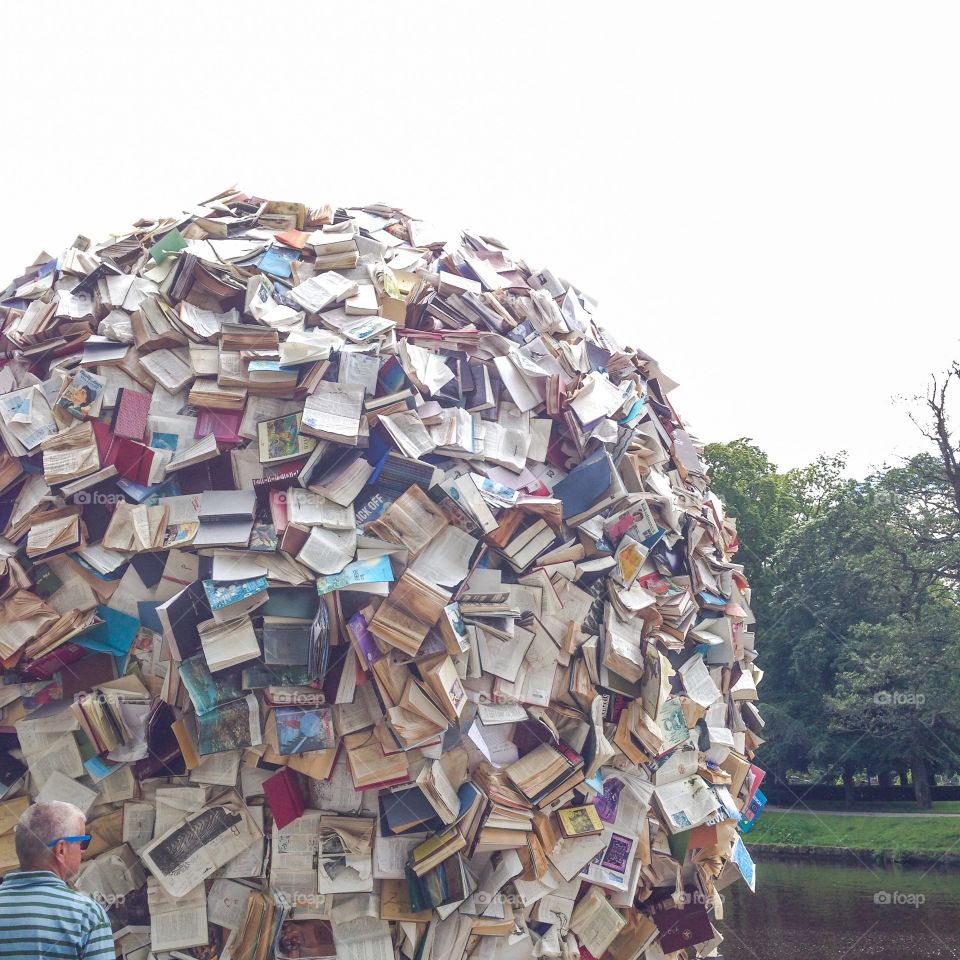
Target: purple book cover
{"x": 223, "y": 424}
{"x": 366, "y": 645}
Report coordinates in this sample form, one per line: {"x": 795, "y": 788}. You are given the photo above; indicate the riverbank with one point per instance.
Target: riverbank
{"x": 899, "y": 807}
{"x": 888, "y": 838}
{"x": 763, "y": 852}
{"x": 822, "y": 910}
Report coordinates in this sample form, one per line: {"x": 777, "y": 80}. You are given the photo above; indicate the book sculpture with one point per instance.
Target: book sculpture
{"x": 367, "y": 595}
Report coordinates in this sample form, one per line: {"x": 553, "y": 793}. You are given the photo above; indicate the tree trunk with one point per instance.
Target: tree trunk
{"x": 885, "y": 778}
{"x": 848, "y": 795}
{"x": 921, "y": 781}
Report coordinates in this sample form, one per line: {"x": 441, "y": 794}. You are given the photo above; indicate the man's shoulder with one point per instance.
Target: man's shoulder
{"x": 88, "y": 904}
{"x": 26, "y": 886}
{"x": 21, "y": 881}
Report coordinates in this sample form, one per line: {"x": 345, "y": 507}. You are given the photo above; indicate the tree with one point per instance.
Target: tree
{"x": 938, "y": 430}
{"x": 866, "y": 592}
{"x": 856, "y": 587}
{"x": 763, "y": 501}
{"x": 826, "y": 580}
{"x": 768, "y": 504}
{"x": 897, "y": 686}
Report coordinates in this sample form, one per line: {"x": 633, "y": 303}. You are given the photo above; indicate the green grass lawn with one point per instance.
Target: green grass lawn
{"x": 880, "y": 806}
{"x": 865, "y": 833}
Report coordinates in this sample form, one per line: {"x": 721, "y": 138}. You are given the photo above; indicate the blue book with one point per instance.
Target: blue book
{"x": 586, "y": 485}
{"x": 205, "y": 690}
{"x": 745, "y": 863}
{"x": 115, "y": 635}
{"x": 220, "y": 595}
{"x": 368, "y": 570}
{"x": 371, "y": 507}
{"x": 754, "y": 808}
{"x": 276, "y": 261}
{"x": 147, "y": 611}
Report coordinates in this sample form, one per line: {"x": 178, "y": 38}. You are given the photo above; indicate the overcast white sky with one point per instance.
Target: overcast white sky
{"x": 764, "y": 196}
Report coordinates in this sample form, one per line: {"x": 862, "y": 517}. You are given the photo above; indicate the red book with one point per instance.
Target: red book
{"x": 131, "y": 412}
{"x": 284, "y": 797}
{"x": 703, "y": 836}
{"x": 103, "y": 434}
{"x": 756, "y": 778}
{"x": 43, "y": 668}
{"x": 132, "y": 460}
{"x": 681, "y": 927}
{"x": 293, "y": 238}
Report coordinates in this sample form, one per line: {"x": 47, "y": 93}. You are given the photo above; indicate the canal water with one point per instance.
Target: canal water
{"x": 818, "y": 911}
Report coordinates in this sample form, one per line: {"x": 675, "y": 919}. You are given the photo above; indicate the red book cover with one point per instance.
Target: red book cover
{"x": 43, "y": 668}
{"x": 132, "y": 460}
{"x": 104, "y": 437}
{"x": 681, "y": 927}
{"x": 756, "y": 778}
{"x": 223, "y": 424}
{"x": 703, "y": 836}
{"x": 130, "y": 415}
{"x": 284, "y": 797}
{"x": 293, "y": 238}
{"x": 568, "y": 753}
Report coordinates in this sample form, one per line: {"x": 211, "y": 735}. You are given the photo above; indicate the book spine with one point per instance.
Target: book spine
{"x": 43, "y": 668}
{"x": 568, "y": 753}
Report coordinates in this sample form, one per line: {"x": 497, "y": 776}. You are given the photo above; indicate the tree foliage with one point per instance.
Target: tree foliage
{"x": 856, "y": 587}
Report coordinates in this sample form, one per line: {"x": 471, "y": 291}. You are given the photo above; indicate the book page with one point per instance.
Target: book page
{"x": 59, "y": 786}
{"x": 138, "y": 822}
{"x": 334, "y": 409}
{"x": 409, "y": 433}
{"x": 412, "y": 520}
{"x": 176, "y": 922}
{"x": 446, "y": 559}
{"x": 62, "y": 756}
{"x": 190, "y": 851}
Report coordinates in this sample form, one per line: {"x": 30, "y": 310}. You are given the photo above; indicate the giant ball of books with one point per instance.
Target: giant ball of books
{"x": 367, "y": 596}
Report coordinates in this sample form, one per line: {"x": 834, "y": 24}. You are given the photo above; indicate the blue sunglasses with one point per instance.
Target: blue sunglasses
{"x": 84, "y": 841}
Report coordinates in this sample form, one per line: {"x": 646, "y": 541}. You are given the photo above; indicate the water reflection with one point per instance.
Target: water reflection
{"x": 804, "y": 911}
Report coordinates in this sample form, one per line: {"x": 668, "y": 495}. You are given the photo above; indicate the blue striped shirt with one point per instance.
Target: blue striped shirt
{"x": 41, "y": 918}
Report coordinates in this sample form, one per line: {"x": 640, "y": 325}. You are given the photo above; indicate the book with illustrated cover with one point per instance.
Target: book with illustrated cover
{"x": 230, "y": 600}
{"x": 82, "y": 397}
{"x": 280, "y": 439}
{"x": 579, "y": 821}
{"x": 301, "y": 730}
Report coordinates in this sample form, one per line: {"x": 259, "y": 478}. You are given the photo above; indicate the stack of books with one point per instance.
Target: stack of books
{"x": 370, "y": 540}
